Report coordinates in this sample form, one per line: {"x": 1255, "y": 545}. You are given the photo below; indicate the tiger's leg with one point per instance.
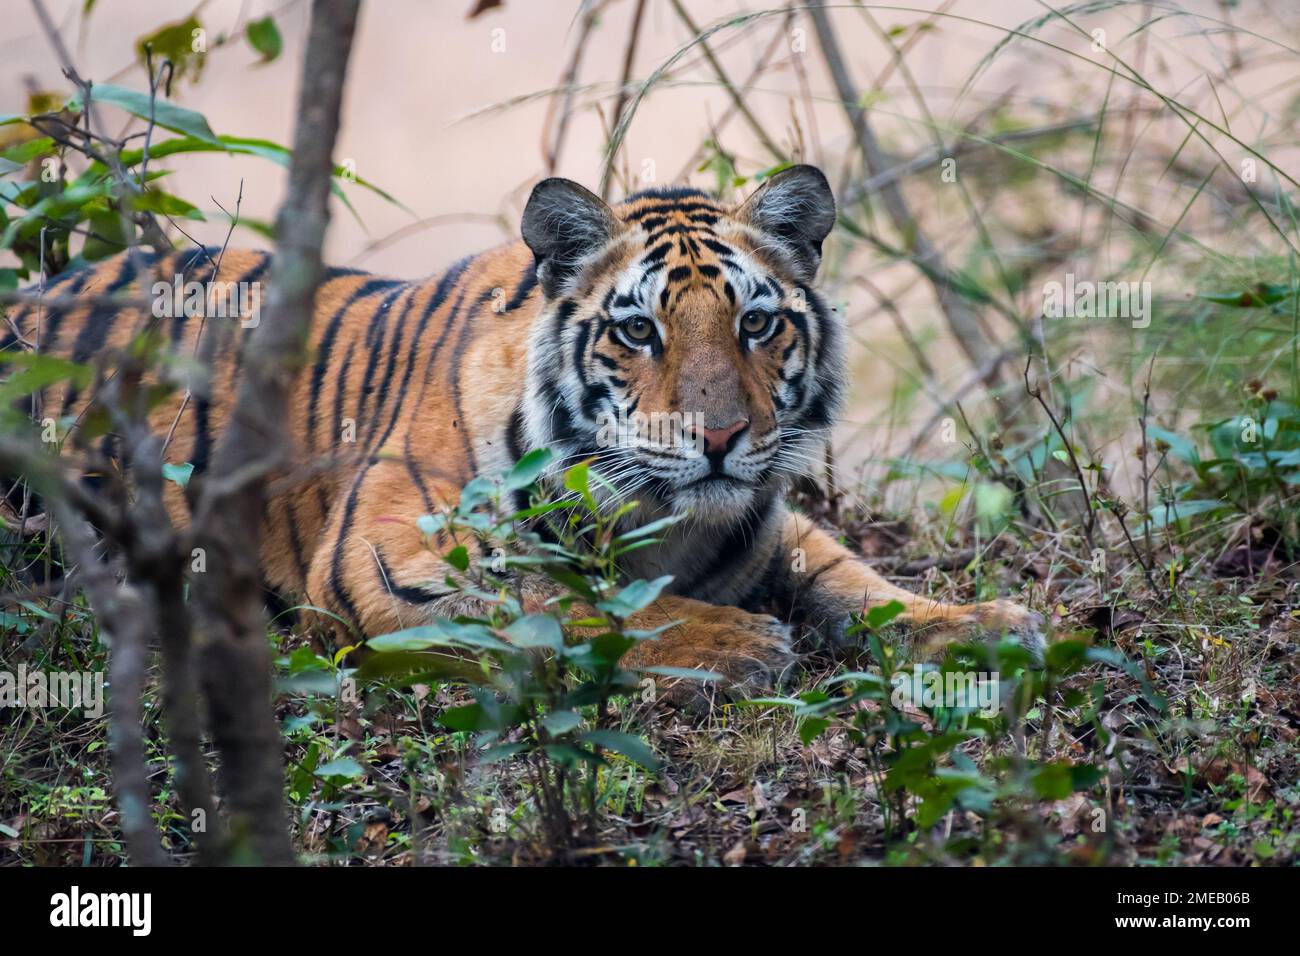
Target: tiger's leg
{"x": 836, "y": 585}
{"x": 375, "y": 569}
{"x": 752, "y": 652}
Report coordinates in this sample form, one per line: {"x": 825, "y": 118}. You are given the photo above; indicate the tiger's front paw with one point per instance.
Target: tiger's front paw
{"x": 989, "y": 622}
{"x": 751, "y": 652}
{"x": 996, "y": 619}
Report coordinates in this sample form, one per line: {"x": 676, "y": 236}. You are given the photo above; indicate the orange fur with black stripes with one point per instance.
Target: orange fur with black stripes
{"x": 667, "y": 309}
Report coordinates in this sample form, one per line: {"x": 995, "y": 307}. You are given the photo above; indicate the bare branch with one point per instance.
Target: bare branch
{"x": 962, "y": 319}
{"x": 737, "y": 100}
{"x": 629, "y": 57}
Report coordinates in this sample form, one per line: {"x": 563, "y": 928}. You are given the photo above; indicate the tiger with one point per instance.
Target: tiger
{"x": 670, "y": 305}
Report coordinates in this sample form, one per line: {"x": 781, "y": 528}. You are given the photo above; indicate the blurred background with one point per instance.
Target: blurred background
{"x": 1013, "y": 145}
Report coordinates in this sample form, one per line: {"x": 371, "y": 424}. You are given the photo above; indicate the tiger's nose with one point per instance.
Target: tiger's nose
{"x": 718, "y": 441}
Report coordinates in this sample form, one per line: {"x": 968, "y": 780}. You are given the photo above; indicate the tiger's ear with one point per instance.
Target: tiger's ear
{"x": 796, "y": 208}
{"x": 564, "y": 224}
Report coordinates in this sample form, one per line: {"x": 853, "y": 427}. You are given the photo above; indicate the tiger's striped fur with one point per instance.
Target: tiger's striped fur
{"x": 411, "y": 388}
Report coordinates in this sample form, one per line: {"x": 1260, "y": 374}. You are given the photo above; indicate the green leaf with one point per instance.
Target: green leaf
{"x": 1264, "y": 294}
{"x": 264, "y": 37}
{"x": 468, "y": 718}
{"x": 167, "y": 115}
{"x": 654, "y": 527}
{"x": 488, "y": 714}
{"x": 634, "y": 597}
{"x": 407, "y": 667}
{"x": 108, "y": 236}
{"x": 244, "y": 146}
{"x": 770, "y": 702}
{"x": 527, "y": 469}
{"x": 178, "y": 473}
{"x": 936, "y": 802}
{"x": 438, "y": 634}
{"x": 561, "y": 722}
{"x": 37, "y": 372}
{"x": 685, "y": 673}
{"x": 25, "y": 152}
{"x": 536, "y": 630}
{"x": 477, "y": 491}
{"x": 878, "y": 616}
{"x": 501, "y": 752}
{"x": 542, "y": 509}
{"x": 882, "y": 614}
{"x": 578, "y": 479}
{"x": 430, "y": 525}
{"x": 1083, "y": 776}
{"x": 630, "y": 746}
{"x": 174, "y": 42}
{"x": 567, "y": 755}
{"x": 342, "y": 767}
{"x": 305, "y": 659}
{"x": 868, "y": 677}
{"x": 811, "y": 728}
{"x": 168, "y": 205}
{"x": 68, "y": 204}
{"x": 607, "y": 649}
{"x": 458, "y": 558}
{"x": 1053, "y": 781}
{"x": 1065, "y": 656}
{"x": 572, "y": 580}
{"x": 992, "y": 501}
{"x": 1181, "y": 510}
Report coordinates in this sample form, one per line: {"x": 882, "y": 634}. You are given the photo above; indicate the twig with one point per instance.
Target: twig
{"x": 962, "y": 319}
{"x": 1090, "y": 516}
{"x": 629, "y": 56}
{"x": 154, "y": 80}
{"x": 737, "y": 100}
{"x": 930, "y": 158}
{"x": 761, "y": 67}
{"x": 591, "y": 11}
{"x": 412, "y": 228}
{"x": 977, "y": 375}
{"x": 203, "y": 318}
{"x": 1146, "y": 463}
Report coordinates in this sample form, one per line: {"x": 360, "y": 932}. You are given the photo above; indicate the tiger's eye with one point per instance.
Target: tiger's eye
{"x": 755, "y": 322}
{"x": 639, "y": 329}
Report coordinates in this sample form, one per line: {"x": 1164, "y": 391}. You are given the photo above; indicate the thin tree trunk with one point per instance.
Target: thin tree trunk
{"x": 154, "y": 559}
{"x": 124, "y": 620}
{"x": 234, "y": 655}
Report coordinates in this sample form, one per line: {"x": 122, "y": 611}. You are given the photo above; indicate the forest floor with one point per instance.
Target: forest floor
{"x": 1195, "y": 744}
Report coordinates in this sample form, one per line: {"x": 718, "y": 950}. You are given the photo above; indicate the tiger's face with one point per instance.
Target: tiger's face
{"x": 682, "y": 346}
